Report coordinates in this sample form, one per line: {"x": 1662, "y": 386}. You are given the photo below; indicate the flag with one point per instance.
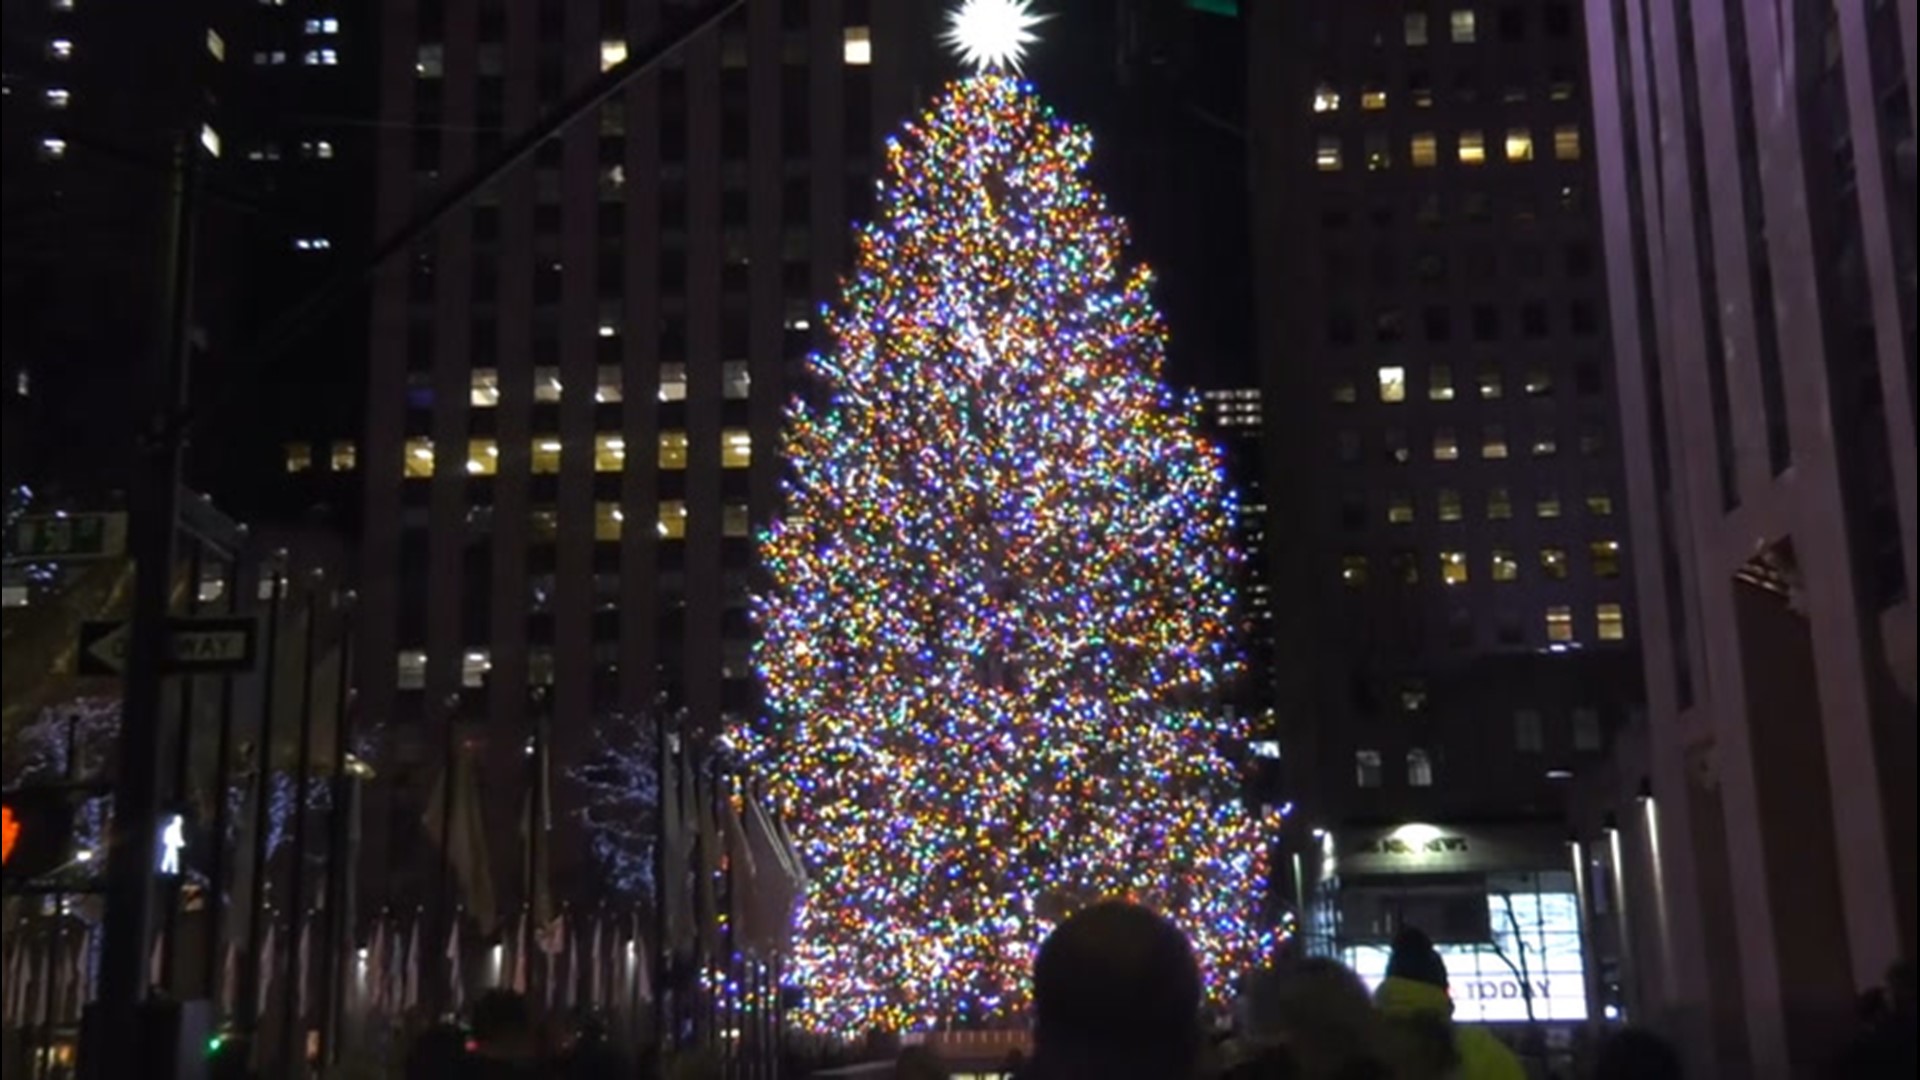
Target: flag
{"x": 305, "y": 964}
{"x": 520, "y": 957}
{"x": 536, "y": 824}
{"x": 641, "y": 958}
{"x": 456, "y": 981}
{"x": 674, "y": 836}
{"x": 154, "y": 956}
{"x": 597, "y": 972}
{"x": 775, "y": 886}
{"x": 411, "y": 998}
{"x": 552, "y": 939}
{"x": 465, "y": 842}
{"x": 229, "y": 979}
{"x": 16, "y": 979}
{"x": 264, "y": 990}
{"x": 570, "y": 989}
{"x": 376, "y": 966}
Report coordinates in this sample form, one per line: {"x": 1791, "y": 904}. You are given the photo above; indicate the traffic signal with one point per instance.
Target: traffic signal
{"x": 36, "y": 827}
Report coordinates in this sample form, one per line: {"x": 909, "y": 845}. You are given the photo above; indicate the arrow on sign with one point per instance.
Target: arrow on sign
{"x": 194, "y": 646}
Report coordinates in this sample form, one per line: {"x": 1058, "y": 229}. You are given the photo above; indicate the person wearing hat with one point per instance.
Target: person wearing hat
{"x": 1422, "y": 1039}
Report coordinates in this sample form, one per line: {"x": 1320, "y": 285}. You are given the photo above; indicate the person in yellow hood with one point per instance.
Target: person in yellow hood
{"x": 1422, "y": 1040}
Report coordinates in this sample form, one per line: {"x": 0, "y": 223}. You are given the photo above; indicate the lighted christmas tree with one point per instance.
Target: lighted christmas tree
{"x": 1001, "y": 593}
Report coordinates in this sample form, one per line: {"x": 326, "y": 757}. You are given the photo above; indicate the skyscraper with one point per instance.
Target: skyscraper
{"x": 1757, "y": 189}
{"x": 578, "y": 380}
{"x": 1447, "y": 547}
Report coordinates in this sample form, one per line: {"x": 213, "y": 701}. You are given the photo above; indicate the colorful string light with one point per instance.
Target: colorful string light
{"x": 1001, "y": 594}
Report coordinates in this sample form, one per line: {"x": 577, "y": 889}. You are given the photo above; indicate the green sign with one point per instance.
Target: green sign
{"x": 1216, "y": 7}
{"x": 67, "y": 536}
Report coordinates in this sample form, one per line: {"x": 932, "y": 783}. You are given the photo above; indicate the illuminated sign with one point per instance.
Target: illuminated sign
{"x": 173, "y": 837}
{"x": 1537, "y": 934}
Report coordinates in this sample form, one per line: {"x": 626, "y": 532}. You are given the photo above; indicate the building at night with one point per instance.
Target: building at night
{"x": 578, "y": 380}
{"x": 1757, "y": 189}
{"x": 1447, "y": 516}
{"x": 274, "y": 103}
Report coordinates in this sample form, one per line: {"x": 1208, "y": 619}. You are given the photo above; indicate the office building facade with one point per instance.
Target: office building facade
{"x": 578, "y": 380}
{"x": 1453, "y": 625}
{"x": 1757, "y": 189}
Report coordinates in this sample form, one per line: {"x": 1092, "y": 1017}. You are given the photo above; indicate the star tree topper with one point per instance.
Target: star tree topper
{"x": 991, "y": 35}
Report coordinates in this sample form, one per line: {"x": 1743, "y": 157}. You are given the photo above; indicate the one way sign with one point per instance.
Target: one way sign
{"x": 207, "y": 646}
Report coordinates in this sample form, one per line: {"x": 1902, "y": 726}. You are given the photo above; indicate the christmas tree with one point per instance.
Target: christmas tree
{"x": 1000, "y": 595}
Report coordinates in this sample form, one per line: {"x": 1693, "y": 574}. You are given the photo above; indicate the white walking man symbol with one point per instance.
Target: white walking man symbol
{"x": 173, "y": 837}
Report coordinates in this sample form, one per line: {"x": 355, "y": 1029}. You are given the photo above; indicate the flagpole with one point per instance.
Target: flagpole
{"x": 262, "y": 795}
{"x": 337, "y": 930}
{"x": 443, "y": 906}
{"x": 663, "y": 762}
{"x": 294, "y": 1042}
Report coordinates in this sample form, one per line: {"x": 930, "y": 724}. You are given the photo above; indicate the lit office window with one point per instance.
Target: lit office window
{"x": 1529, "y": 732}
{"x": 1547, "y": 506}
{"x": 320, "y": 57}
{"x": 1539, "y": 381}
{"x": 1599, "y": 504}
{"x": 299, "y": 457}
{"x": 736, "y": 448}
{"x": 312, "y": 243}
{"x": 1326, "y": 153}
{"x": 1519, "y": 144}
{"x": 1366, "y": 768}
{"x": 60, "y": 49}
{"x": 57, "y": 97}
{"x": 320, "y": 149}
{"x": 543, "y": 525}
{"x": 1345, "y": 392}
{"x": 1400, "y": 508}
{"x": 609, "y": 453}
{"x": 344, "y": 457}
{"x": 210, "y": 139}
{"x": 546, "y": 456}
{"x": 607, "y": 387}
{"x": 735, "y": 521}
{"x": 1415, "y": 31}
{"x": 1453, "y": 567}
{"x": 1393, "y": 384}
{"x": 474, "y": 666}
{"x": 419, "y": 458}
{"x": 1446, "y": 445}
{"x": 1425, "y": 150}
{"x": 856, "y": 46}
{"x": 546, "y": 384}
{"x": 673, "y": 519}
{"x": 1554, "y": 563}
{"x": 1506, "y": 565}
{"x": 1473, "y": 147}
{"x": 612, "y": 54}
{"x": 736, "y": 380}
{"x": 483, "y": 388}
{"x": 1448, "y": 505}
{"x": 1326, "y": 99}
{"x": 324, "y": 25}
{"x": 1379, "y": 157}
{"x": 1439, "y": 383}
{"x": 1373, "y": 98}
{"x": 1492, "y": 386}
{"x": 430, "y": 62}
{"x": 607, "y": 519}
{"x": 1493, "y": 443}
{"x": 673, "y": 382}
{"x": 673, "y": 449}
{"x": 1499, "y": 504}
{"x": 1461, "y": 25}
{"x": 1604, "y": 556}
{"x": 1545, "y": 444}
{"x": 1611, "y": 622}
{"x": 1419, "y": 768}
{"x": 483, "y": 457}
{"x": 410, "y": 670}
{"x": 1353, "y": 571}
{"x": 1420, "y": 89}
{"x": 1566, "y": 142}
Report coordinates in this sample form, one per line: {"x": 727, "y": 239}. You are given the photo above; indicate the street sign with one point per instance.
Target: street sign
{"x": 49, "y": 537}
{"x": 195, "y": 646}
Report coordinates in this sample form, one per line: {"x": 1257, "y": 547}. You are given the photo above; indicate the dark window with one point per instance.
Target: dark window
{"x": 1559, "y": 20}
{"x": 1486, "y": 322}
{"x": 1390, "y": 326}
{"x": 1582, "y": 319}
{"x": 1437, "y": 323}
{"x": 1533, "y": 319}
{"x": 1579, "y": 260}
{"x": 1341, "y": 329}
{"x": 1513, "y": 24}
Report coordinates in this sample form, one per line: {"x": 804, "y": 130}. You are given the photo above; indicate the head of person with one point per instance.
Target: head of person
{"x": 1116, "y": 994}
{"x": 1636, "y": 1054}
{"x": 503, "y": 1025}
{"x": 1315, "y": 1008}
{"x": 1415, "y": 959}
